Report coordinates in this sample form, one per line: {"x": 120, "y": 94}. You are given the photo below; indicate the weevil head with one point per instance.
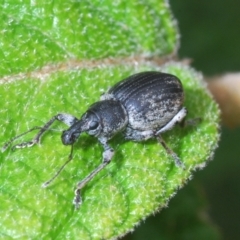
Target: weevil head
{"x": 89, "y": 123}
{"x": 103, "y": 119}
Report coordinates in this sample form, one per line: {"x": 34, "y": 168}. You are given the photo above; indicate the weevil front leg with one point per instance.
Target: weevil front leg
{"x": 69, "y": 120}
{"x": 107, "y": 157}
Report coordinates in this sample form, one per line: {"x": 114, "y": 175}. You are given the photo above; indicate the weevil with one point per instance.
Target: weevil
{"x": 142, "y": 106}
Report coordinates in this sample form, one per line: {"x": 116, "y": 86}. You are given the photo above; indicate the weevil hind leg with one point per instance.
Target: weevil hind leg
{"x": 190, "y": 122}
{"x": 137, "y": 135}
{"x": 69, "y": 120}
{"x": 178, "y": 118}
{"x": 175, "y": 157}
{"x": 107, "y": 157}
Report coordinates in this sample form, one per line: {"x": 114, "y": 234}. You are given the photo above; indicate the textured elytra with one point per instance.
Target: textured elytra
{"x": 151, "y": 99}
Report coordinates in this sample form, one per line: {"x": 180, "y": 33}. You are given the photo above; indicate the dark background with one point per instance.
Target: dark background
{"x": 210, "y": 36}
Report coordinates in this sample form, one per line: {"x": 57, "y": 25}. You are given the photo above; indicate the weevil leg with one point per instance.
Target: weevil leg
{"x": 65, "y": 118}
{"x": 178, "y": 118}
{"x": 107, "y": 157}
{"x": 177, "y": 160}
{"x": 137, "y": 135}
{"x": 190, "y": 122}
{"x": 6, "y": 145}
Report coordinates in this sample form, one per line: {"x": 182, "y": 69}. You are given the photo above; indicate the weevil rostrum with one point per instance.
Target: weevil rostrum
{"x": 142, "y": 106}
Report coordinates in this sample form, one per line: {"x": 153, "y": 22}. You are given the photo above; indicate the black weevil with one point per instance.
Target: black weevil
{"x": 142, "y": 106}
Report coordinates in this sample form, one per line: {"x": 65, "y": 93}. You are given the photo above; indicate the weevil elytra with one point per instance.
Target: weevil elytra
{"x": 142, "y": 106}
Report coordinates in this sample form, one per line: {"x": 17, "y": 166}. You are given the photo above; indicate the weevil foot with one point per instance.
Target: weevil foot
{"x": 77, "y": 201}
{"x": 25, "y": 144}
{"x": 191, "y": 122}
{"x": 177, "y": 161}
{"x": 19, "y": 145}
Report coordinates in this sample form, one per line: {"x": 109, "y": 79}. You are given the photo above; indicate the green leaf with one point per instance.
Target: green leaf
{"x": 38, "y": 33}
{"x": 185, "y": 218}
{"x": 141, "y": 177}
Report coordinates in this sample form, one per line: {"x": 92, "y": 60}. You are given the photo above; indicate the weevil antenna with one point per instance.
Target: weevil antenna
{"x": 60, "y": 169}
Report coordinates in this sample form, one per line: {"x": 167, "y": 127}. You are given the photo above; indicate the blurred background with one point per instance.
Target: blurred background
{"x": 209, "y": 206}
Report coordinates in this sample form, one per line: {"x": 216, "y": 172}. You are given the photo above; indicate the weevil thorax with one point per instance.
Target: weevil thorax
{"x": 111, "y": 117}
{"x": 103, "y": 119}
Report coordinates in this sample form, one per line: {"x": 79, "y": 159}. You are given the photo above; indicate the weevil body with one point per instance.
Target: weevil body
{"x": 151, "y": 100}
{"x": 142, "y": 106}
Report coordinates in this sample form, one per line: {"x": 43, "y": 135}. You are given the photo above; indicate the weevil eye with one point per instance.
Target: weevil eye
{"x": 94, "y": 128}
{"x": 93, "y": 125}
